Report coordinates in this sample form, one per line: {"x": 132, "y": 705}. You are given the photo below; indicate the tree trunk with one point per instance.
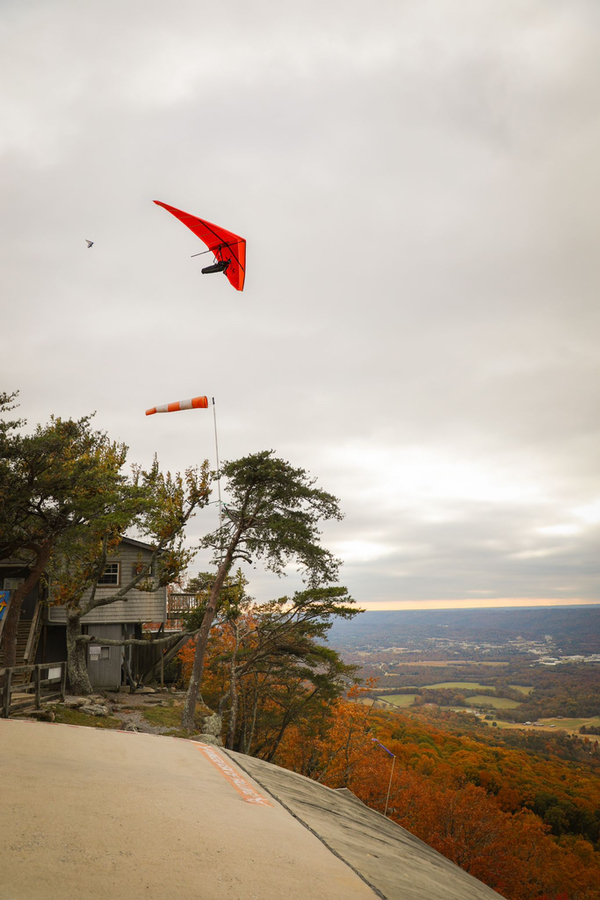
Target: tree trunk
{"x": 287, "y": 720}
{"x": 242, "y": 717}
{"x": 189, "y": 709}
{"x": 13, "y": 615}
{"x": 250, "y": 737}
{"x": 79, "y": 680}
{"x": 233, "y": 692}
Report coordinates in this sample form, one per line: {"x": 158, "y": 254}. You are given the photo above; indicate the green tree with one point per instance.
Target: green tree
{"x": 51, "y": 481}
{"x": 285, "y": 670}
{"x": 272, "y": 514}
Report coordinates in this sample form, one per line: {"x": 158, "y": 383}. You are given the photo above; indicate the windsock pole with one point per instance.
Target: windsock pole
{"x": 196, "y": 403}
{"x": 218, "y": 466}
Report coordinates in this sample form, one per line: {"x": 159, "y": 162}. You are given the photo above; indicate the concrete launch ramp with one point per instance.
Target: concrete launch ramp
{"x": 395, "y": 863}
{"x": 95, "y": 813}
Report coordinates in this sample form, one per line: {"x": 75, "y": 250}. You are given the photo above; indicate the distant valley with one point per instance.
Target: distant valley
{"x": 537, "y": 667}
{"x": 483, "y": 632}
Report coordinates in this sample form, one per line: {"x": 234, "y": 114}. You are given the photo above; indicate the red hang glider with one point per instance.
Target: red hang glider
{"x": 229, "y": 249}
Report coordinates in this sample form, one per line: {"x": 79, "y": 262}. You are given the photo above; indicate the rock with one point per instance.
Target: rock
{"x": 94, "y": 709}
{"x": 206, "y": 738}
{"x": 74, "y": 702}
{"x": 42, "y": 715}
{"x": 212, "y": 725}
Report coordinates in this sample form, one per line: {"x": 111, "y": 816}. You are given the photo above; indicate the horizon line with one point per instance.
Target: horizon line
{"x": 497, "y": 603}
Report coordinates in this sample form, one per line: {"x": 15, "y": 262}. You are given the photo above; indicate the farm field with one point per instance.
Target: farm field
{"x": 478, "y": 700}
{"x": 443, "y": 664}
{"x": 496, "y": 702}
{"x": 401, "y": 700}
{"x": 472, "y": 685}
{"x": 571, "y": 726}
{"x": 476, "y": 685}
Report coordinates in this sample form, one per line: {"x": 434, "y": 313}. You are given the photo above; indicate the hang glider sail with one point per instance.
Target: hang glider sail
{"x": 229, "y": 249}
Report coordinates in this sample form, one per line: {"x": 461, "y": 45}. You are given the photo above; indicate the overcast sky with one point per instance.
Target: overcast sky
{"x": 418, "y": 184}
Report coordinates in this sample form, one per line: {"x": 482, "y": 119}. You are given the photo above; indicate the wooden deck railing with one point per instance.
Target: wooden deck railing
{"x": 35, "y": 686}
{"x": 180, "y": 603}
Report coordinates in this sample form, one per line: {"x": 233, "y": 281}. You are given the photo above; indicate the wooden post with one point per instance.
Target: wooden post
{"x": 38, "y": 692}
{"x": 63, "y": 681}
{"x": 8, "y": 673}
{"x": 162, "y": 669}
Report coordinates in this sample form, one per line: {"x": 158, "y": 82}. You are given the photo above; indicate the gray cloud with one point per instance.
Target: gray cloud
{"x": 419, "y": 329}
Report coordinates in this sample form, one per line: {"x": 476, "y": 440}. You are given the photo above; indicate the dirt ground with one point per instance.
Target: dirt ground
{"x": 130, "y": 708}
{"x": 148, "y": 711}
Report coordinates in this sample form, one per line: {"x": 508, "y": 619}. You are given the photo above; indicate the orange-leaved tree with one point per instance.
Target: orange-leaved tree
{"x": 268, "y": 666}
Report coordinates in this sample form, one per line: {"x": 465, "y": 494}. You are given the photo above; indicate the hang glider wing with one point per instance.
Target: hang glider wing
{"x": 226, "y": 246}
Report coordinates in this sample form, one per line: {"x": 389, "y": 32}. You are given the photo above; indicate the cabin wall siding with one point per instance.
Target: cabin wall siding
{"x": 140, "y": 606}
{"x": 106, "y": 672}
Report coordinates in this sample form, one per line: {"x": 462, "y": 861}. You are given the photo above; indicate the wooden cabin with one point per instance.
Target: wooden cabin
{"x": 107, "y": 664}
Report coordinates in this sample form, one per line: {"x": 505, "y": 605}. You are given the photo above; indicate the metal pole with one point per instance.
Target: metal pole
{"x": 218, "y": 464}
{"x": 387, "y": 799}
{"x": 389, "y": 752}
{"x": 218, "y": 471}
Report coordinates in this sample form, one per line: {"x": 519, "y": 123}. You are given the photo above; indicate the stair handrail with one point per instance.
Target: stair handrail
{"x": 32, "y": 631}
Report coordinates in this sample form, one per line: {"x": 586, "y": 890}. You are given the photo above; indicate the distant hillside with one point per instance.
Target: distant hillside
{"x": 573, "y": 629}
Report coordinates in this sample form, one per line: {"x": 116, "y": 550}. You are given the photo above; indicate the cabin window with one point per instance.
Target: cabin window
{"x": 11, "y": 584}
{"x": 139, "y": 566}
{"x": 111, "y": 574}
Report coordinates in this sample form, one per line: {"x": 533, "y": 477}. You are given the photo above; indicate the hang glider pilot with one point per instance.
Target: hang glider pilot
{"x": 219, "y": 265}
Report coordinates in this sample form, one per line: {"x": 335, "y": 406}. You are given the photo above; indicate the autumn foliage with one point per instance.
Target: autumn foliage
{"x": 470, "y": 801}
{"x": 269, "y": 668}
{"x": 525, "y": 822}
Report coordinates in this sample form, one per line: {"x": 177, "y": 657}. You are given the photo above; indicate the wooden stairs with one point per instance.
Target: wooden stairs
{"x": 22, "y": 641}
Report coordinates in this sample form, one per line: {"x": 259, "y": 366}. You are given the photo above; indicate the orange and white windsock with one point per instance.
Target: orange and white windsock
{"x": 194, "y": 403}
